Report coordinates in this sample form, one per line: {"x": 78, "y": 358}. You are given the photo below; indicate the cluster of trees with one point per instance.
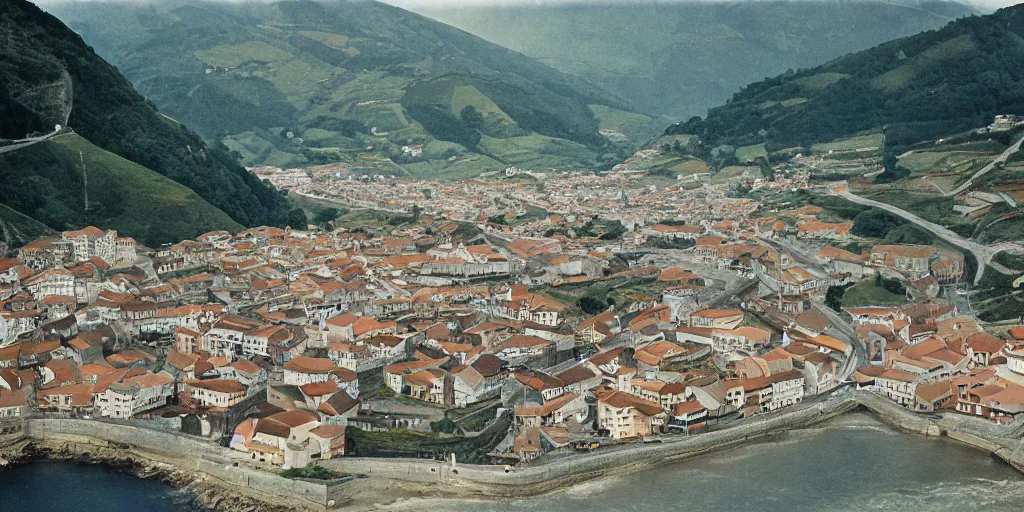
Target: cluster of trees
{"x": 890, "y": 285}
{"x": 834, "y": 297}
{"x": 593, "y": 306}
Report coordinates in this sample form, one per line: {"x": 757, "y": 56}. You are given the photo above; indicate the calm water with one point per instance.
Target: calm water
{"x": 854, "y": 463}
{"x": 54, "y": 485}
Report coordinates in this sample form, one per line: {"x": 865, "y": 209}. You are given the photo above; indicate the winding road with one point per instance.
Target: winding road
{"x": 984, "y": 170}
{"x": 24, "y": 143}
{"x": 982, "y": 253}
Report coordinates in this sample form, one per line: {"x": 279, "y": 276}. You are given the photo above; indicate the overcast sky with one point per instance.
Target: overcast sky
{"x": 414, "y": 4}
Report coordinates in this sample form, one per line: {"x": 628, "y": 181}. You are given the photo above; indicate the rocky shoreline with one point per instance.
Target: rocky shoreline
{"x": 207, "y": 494}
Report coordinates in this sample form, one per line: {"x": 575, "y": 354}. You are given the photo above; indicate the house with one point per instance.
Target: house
{"x": 521, "y": 345}
{"x": 539, "y": 386}
{"x": 216, "y": 393}
{"x": 580, "y": 379}
{"x": 819, "y": 373}
{"x": 787, "y": 388}
{"x": 523, "y": 306}
{"x": 598, "y": 328}
{"x": 689, "y": 417}
{"x": 135, "y": 395}
{"x": 478, "y": 380}
{"x": 396, "y": 377}
{"x": 653, "y": 355}
{"x": 716, "y": 318}
{"x": 744, "y": 338}
{"x": 13, "y": 403}
{"x": 912, "y": 259}
{"x": 552, "y": 412}
{"x": 671, "y": 232}
{"x": 983, "y": 346}
{"x": 273, "y": 435}
{"x": 825, "y": 230}
{"x": 932, "y": 396}
{"x": 626, "y": 416}
{"x": 71, "y": 397}
{"x": 303, "y": 370}
{"x": 898, "y": 386}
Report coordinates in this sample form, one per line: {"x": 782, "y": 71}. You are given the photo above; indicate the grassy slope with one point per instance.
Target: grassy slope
{"x": 342, "y": 77}
{"x": 122, "y": 195}
{"x": 865, "y": 293}
{"x": 17, "y": 229}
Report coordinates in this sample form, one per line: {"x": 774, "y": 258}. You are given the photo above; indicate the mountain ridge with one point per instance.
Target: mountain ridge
{"x": 679, "y": 59}
{"x": 918, "y": 88}
{"x": 339, "y": 77}
{"x": 49, "y": 77}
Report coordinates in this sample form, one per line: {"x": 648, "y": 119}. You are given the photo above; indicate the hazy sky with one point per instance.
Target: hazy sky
{"x": 414, "y": 4}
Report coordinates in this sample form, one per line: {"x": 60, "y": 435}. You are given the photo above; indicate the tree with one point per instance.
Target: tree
{"x": 297, "y": 219}
{"x": 416, "y": 211}
{"x": 472, "y": 117}
{"x": 326, "y": 215}
{"x": 834, "y": 297}
{"x": 590, "y": 305}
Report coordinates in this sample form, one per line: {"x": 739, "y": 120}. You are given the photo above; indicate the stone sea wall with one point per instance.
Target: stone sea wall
{"x": 491, "y": 481}
{"x": 189, "y": 453}
{"x": 465, "y": 480}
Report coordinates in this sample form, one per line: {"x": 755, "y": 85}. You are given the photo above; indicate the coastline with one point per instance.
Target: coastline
{"x": 206, "y": 493}
{"x": 404, "y": 482}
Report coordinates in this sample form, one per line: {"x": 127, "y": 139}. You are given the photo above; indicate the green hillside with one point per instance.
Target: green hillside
{"x": 678, "y": 59}
{"x": 299, "y": 82}
{"x": 17, "y": 229}
{"x": 915, "y": 89}
{"x": 121, "y": 195}
{"x": 49, "y": 76}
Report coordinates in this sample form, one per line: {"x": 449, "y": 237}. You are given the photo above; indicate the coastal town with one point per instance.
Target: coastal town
{"x": 502, "y": 320}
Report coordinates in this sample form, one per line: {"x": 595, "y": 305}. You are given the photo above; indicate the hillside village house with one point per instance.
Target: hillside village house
{"x": 136, "y": 395}
{"x": 626, "y": 416}
{"x": 219, "y": 393}
{"x": 912, "y": 259}
{"x": 518, "y": 304}
{"x": 303, "y": 370}
{"x": 716, "y": 318}
{"x": 478, "y": 380}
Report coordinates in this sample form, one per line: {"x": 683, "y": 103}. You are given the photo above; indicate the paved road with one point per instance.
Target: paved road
{"x": 843, "y": 330}
{"x": 982, "y": 253}
{"x": 797, "y": 254}
{"x": 984, "y": 170}
{"x": 24, "y": 143}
